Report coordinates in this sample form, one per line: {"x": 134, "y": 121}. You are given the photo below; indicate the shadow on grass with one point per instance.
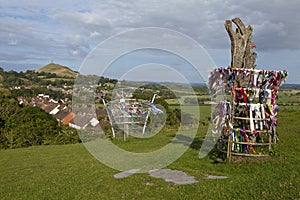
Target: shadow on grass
{"x": 196, "y": 144}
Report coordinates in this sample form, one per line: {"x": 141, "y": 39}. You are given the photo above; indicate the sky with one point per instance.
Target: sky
{"x": 34, "y": 33}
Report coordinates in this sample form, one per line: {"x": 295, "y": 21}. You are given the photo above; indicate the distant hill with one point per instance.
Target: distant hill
{"x": 57, "y": 69}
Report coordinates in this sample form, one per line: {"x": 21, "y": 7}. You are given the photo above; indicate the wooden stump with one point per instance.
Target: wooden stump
{"x": 242, "y": 55}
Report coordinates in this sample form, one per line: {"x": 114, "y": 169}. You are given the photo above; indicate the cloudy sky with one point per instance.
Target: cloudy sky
{"x": 32, "y": 33}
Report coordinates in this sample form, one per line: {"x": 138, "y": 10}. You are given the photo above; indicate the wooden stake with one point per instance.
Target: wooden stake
{"x": 270, "y": 141}
{"x": 229, "y": 146}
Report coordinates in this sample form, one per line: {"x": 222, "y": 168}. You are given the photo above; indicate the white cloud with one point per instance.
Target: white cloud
{"x": 94, "y": 34}
{"x": 77, "y": 19}
{"x": 12, "y": 39}
{"x": 68, "y": 30}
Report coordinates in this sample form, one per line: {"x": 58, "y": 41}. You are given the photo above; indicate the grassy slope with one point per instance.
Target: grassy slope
{"x": 70, "y": 172}
{"x": 59, "y": 70}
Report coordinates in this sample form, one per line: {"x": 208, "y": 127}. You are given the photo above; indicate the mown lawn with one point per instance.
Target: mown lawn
{"x": 70, "y": 172}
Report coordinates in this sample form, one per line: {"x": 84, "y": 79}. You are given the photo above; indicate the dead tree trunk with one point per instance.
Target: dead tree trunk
{"x": 242, "y": 55}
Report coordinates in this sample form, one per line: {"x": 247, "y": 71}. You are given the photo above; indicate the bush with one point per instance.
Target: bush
{"x": 28, "y": 126}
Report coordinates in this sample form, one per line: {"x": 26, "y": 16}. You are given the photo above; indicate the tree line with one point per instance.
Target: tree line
{"x": 31, "y": 77}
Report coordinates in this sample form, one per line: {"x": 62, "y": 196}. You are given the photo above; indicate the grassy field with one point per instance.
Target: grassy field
{"x": 182, "y": 98}
{"x": 289, "y": 97}
{"x": 70, "y": 172}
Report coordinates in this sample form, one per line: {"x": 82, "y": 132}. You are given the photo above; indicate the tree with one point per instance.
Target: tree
{"x": 242, "y": 55}
{"x": 33, "y": 126}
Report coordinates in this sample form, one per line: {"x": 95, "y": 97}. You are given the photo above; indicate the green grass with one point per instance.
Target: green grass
{"x": 204, "y": 110}
{"x": 172, "y": 101}
{"x": 99, "y": 105}
{"x": 289, "y": 97}
{"x": 58, "y": 79}
{"x": 70, "y": 172}
{"x": 182, "y": 98}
